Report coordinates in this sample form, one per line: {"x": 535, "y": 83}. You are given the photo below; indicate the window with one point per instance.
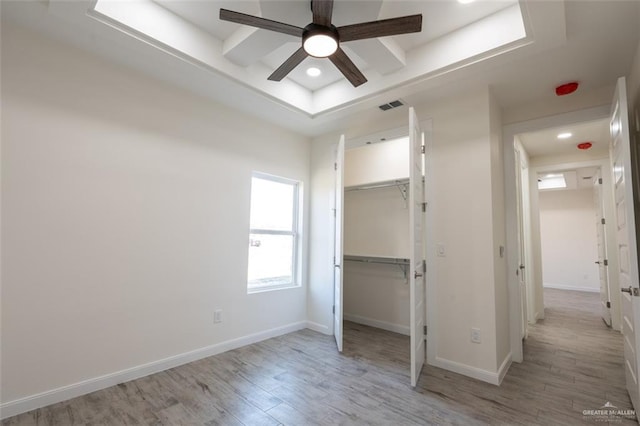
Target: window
{"x": 273, "y": 236}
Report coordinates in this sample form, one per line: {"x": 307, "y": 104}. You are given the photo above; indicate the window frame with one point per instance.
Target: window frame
{"x": 294, "y": 233}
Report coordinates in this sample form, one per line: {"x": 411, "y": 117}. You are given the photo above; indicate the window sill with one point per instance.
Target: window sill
{"x": 253, "y": 290}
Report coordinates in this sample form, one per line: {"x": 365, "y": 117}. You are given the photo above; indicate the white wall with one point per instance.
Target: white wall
{"x": 125, "y": 221}
{"x": 503, "y": 355}
{"x": 462, "y": 209}
{"x": 376, "y": 295}
{"x": 379, "y": 162}
{"x": 376, "y": 223}
{"x": 569, "y": 240}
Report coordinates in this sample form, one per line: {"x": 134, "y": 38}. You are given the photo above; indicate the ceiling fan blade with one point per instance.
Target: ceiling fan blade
{"x": 288, "y": 65}
{"x": 383, "y": 28}
{"x": 322, "y": 10}
{"x": 258, "y": 22}
{"x": 348, "y": 68}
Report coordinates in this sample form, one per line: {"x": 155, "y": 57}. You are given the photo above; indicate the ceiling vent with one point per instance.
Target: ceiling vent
{"x": 393, "y": 104}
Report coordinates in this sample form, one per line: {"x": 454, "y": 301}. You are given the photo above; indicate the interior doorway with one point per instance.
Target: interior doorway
{"x": 513, "y": 254}
{"x": 563, "y": 199}
{"x": 573, "y": 235}
{"x": 379, "y": 225}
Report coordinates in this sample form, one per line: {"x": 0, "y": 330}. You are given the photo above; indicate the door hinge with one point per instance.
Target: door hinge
{"x": 335, "y": 166}
{"x": 608, "y": 304}
{"x": 334, "y": 309}
{"x": 422, "y": 149}
{"x": 424, "y": 207}
{"x": 425, "y": 330}
{"x": 599, "y": 181}
{"x": 602, "y": 221}
{"x": 424, "y": 265}
{"x": 606, "y": 262}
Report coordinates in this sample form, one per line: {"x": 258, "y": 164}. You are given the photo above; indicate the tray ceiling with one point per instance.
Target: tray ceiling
{"x": 453, "y": 35}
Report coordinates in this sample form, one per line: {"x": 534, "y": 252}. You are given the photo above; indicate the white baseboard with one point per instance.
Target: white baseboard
{"x": 396, "y": 328}
{"x": 320, "y": 328}
{"x": 473, "y": 372}
{"x": 572, "y": 288}
{"x": 504, "y": 367}
{"x": 22, "y": 405}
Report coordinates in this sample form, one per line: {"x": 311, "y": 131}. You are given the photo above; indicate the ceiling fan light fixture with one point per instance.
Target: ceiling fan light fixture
{"x": 319, "y": 41}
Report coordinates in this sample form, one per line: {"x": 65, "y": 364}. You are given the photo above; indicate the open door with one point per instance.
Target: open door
{"x": 603, "y": 263}
{"x": 337, "y": 250}
{"x": 520, "y": 272}
{"x": 417, "y": 264}
{"x": 620, "y": 152}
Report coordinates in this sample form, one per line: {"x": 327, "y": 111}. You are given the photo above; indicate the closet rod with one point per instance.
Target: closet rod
{"x": 378, "y": 185}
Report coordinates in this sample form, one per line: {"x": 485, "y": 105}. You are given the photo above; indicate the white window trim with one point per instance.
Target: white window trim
{"x": 295, "y": 260}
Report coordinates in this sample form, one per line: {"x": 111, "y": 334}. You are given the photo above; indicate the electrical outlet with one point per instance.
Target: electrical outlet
{"x": 475, "y": 335}
{"x": 217, "y": 316}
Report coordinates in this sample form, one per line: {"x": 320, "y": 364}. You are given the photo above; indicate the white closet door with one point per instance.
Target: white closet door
{"x": 338, "y": 238}
{"x": 601, "y": 233}
{"x": 417, "y": 279}
{"x": 620, "y": 152}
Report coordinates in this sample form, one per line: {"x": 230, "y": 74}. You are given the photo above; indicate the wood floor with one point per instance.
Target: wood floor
{"x": 572, "y": 363}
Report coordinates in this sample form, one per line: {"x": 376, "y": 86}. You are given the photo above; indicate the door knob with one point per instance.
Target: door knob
{"x": 597, "y": 261}
{"x": 417, "y": 275}
{"x": 626, "y": 290}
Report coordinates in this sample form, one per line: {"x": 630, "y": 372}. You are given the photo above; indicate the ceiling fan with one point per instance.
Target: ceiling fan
{"x": 321, "y": 39}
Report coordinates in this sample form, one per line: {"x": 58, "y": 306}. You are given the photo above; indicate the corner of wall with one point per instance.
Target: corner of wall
{"x": 501, "y": 293}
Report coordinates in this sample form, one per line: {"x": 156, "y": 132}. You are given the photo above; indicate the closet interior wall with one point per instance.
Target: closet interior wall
{"x": 376, "y": 235}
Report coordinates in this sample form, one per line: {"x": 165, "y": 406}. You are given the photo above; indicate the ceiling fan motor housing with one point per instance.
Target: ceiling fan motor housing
{"x": 315, "y": 30}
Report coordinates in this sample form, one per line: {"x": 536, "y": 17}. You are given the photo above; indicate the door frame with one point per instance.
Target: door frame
{"x": 509, "y": 131}
{"x": 605, "y": 172}
{"x": 426, "y": 125}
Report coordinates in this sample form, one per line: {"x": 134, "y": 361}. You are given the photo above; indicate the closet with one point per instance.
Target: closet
{"x": 379, "y": 265}
{"x": 376, "y": 235}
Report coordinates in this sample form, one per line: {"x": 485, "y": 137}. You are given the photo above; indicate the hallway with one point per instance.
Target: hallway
{"x": 572, "y": 362}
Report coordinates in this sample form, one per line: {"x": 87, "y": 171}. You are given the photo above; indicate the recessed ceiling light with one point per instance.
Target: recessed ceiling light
{"x": 565, "y": 135}
{"x": 313, "y": 72}
{"x": 465, "y": 1}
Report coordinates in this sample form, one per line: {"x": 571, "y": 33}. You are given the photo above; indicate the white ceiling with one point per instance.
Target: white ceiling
{"x": 439, "y": 19}
{"x": 546, "y": 143}
{"x": 193, "y": 32}
{"x": 589, "y": 41}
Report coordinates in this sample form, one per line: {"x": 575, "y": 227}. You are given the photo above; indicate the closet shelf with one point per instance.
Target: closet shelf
{"x": 374, "y": 259}
{"x": 401, "y": 184}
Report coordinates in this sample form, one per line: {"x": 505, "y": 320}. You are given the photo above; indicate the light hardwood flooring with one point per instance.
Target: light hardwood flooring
{"x": 573, "y": 362}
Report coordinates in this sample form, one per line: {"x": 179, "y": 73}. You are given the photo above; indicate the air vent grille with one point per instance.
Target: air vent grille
{"x": 393, "y": 104}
